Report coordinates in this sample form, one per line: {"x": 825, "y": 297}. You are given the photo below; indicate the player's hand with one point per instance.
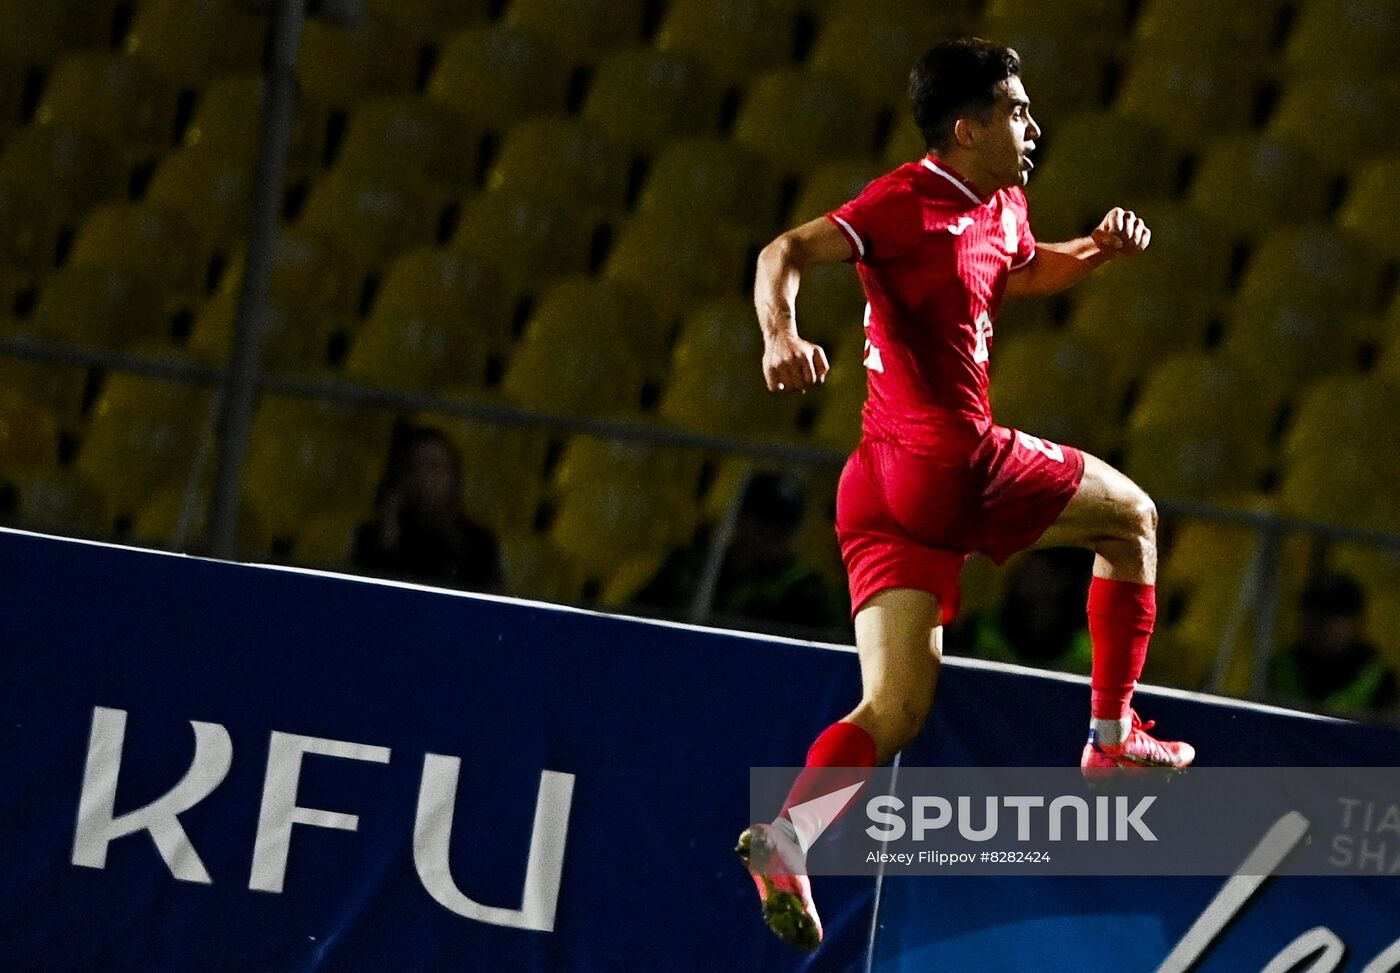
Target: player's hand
{"x": 1122, "y": 233}
{"x": 791, "y": 364}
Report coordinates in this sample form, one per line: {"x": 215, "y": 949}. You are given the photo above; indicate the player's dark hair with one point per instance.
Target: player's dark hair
{"x": 955, "y": 79}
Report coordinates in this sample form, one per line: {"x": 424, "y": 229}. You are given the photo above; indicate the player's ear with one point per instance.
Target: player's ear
{"x": 964, "y": 133}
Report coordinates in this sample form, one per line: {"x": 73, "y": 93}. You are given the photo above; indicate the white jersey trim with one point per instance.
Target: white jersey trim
{"x": 1018, "y": 266}
{"x": 855, "y": 237}
{"x": 932, "y": 166}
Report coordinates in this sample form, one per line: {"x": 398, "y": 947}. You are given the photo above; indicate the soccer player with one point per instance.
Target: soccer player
{"x": 938, "y": 244}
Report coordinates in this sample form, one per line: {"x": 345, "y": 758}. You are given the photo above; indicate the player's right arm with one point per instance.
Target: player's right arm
{"x": 791, "y": 363}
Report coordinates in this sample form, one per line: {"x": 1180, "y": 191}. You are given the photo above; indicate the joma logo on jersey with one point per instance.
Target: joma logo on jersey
{"x": 98, "y": 825}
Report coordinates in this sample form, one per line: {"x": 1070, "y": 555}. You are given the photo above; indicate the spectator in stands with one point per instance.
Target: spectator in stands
{"x": 1333, "y": 665}
{"x": 420, "y": 532}
{"x": 1040, "y": 620}
{"x": 763, "y": 581}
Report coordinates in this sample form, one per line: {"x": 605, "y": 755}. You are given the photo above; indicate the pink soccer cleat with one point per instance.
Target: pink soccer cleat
{"x": 1139, "y": 751}
{"x": 777, "y": 867}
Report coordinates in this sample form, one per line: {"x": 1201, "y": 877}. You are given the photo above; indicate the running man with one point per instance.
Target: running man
{"x": 938, "y": 244}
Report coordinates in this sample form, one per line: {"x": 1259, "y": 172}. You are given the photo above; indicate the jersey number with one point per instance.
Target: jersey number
{"x": 984, "y": 330}
{"x": 872, "y": 354}
{"x": 1051, "y": 450}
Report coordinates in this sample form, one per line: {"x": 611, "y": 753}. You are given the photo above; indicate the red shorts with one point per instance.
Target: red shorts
{"x": 910, "y": 520}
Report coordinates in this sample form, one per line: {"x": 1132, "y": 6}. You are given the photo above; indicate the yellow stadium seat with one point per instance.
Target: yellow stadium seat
{"x": 676, "y": 261}
{"x": 1064, "y": 71}
{"x": 1190, "y": 249}
{"x": 601, "y": 377}
{"x": 1342, "y": 407}
{"x": 716, "y": 383}
{"x": 502, "y": 469}
{"x": 646, "y": 98}
{"x": 370, "y": 218}
{"x": 327, "y": 540}
{"x": 1186, "y": 92}
{"x": 207, "y": 190}
{"x": 535, "y": 568}
{"x": 227, "y": 124}
{"x": 1128, "y": 157}
{"x": 1255, "y": 183}
{"x": 1055, "y": 386}
{"x": 99, "y": 306}
{"x": 841, "y": 400}
{"x": 34, "y": 32}
{"x": 191, "y": 41}
{"x": 342, "y": 64}
{"x": 164, "y": 516}
{"x": 1194, "y": 390}
{"x": 1370, "y": 207}
{"x": 736, "y": 39}
{"x": 295, "y": 339}
{"x": 529, "y": 239}
{"x": 60, "y": 500}
{"x": 791, "y": 117}
{"x": 873, "y": 48}
{"x": 1294, "y": 338}
{"x": 906, "y": 142}
{"x": 1348, "y": 482}
{"x": 495, "y": 76}
{"x": 576, "y": 309}
{"x": 581, "y": 29}
{"x": 29, "y": 433}
{"x": 604, "y": 527}
{"x": 1334, "y": 35}
{"x": 588, "y": 460}
{"x": 1235, "y": 32}
{"x": 1106, "y": 16}
{"x": 419, "y": 351}
{"x": 438, "y": 284}
{"x": 307, "y": 271}
{"x": 1135, "y": 327}
{"x": 1358, "y": 110}
{"x": 405, "y": 134}
{"x": 145, "y": 242}
{"x": 830, "y": 306}
{"x": 831, "y": 185}
{"x": 562, "y": 160}
{"x": 712, "y": 179}
{"x": 112, "y": 96}
{"x": 1311, "y": 262}
{"x": 305, "y": 456}
{"x": 142, "y": 436}
{"x": 1196, "y": 463}
{"x": 54, "y": 385}
{"x": 429, "y": 20}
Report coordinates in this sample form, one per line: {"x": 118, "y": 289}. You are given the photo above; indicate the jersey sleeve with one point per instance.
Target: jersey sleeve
{"x": 881, "y": 223}
{"x": 1025, "y": 245}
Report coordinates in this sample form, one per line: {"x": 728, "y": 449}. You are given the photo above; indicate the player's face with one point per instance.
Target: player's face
{"x": 1008, "y": 135}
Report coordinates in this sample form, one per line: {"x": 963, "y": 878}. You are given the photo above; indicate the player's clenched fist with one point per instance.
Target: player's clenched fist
{"x": 791, "y": 364}
{"x": 1121, "y": 233}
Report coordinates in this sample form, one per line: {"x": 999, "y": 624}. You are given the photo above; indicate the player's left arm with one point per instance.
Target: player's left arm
{"x": 1058, "y": 266}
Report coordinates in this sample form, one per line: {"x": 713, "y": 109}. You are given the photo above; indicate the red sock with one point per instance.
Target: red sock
{"x": 1121, "y": 615}
{"x": 841, "y": 756}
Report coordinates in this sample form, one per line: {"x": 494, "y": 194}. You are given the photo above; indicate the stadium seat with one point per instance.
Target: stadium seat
{"x": 1358, "y": 110}
{"x": 370, "y": 218}
{"x": 442, "y": 285}
{"x": 646, "y": 98}
{"x": 1190, "y": 249}
{"x": 535, "y": 568}
{"x": 295, "y": 339}
{"x": 1130, "y": 161}
{"x": 676, "y": 261}
{"x": 1370, "y": 207}
{"x": 227, "y": 123}
{"x": 606, "y": 528}
{"x": 418, "y": 349}
{"x": 34, "y": 32}
{"x": 1346, "y": 482}
{"x": 145, "y": 242}
{"x": 404, "y": 134}
{"x": 191, "y": 41}
{"x": 306, "y": 271}
{"x": 142, "y": 436}
{"x": 342, "y": 64}
{"x": 599, "y": 377}
{"x": 429, "y": 20}
{"x": 1196, "y": 463}
{"x": 672, "y": 472}
{"x": 60, "y": 501}
{"x": 1194, "y": 390}
{"x": 529, "y": 239}
{"x": 306, "y": 456}
{"x": 1108, "y": 17}
{"x": 1342, "y": 407}
{"x": 1135, "y": 326}
{"x": 29, "y": 434}
{"x": 1332, "y": 36}
{"x": 502, "y": 469}
{"x": 873, "y": 47}
{"x": 163, "y": 517}
{"x": 1186, "y": 92}
{"x": 1254, "y": 183}
{"x": 736, "y": 39}
{"x": 712, "y": 179}
{"x": 581, "y": 30}
{"x": 327, "y": 540}
{"x": 55, "y": 386}
{"x": 716, "y": 383}
{"x": 906, "y": 142}
{"x": 792, "y": 117}
{"x": 1055, "y": 386}
{"x": 841, "y": 400}
{"x": 582, "y": 308}
{"x": 830, "y": 306}
{"x": 112, "y": 96}
{"x": 99, "y": 306}
{"x": 495, "y": 76}
{"x": 1295, "y": 336}
{"x": 1305, "y": 263}
{"x": 208, "y": 191}
{"x": 1064, "y": 71}
{"x": 1240, "y": 32}
{"x": 831, "y": 185}
{"x": 562, "y": 160}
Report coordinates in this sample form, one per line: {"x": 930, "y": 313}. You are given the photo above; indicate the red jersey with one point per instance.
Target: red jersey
{"x": 933, "y": 256}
